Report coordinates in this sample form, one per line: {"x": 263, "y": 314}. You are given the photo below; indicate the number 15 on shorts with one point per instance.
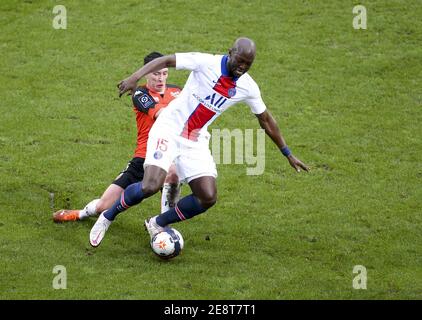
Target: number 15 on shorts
{"x": 161, "y": 145}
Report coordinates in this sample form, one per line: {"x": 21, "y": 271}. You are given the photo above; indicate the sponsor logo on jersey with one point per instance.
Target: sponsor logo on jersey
{"x": 143, "y": 101}
{"x": 212, "y": 102}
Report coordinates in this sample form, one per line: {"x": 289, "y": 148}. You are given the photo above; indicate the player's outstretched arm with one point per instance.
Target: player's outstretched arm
{"x": 268, "y": 123}
{"x": 155, "y": 65}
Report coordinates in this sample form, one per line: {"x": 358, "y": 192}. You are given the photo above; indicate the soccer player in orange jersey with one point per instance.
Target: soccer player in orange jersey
{"x": 148, "y": 101}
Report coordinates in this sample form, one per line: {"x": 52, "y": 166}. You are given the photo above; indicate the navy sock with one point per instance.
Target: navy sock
{"x": 186, "y": 208}
{"x": 131, "y": 196}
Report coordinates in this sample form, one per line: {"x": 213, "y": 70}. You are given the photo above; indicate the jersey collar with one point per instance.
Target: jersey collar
{"x": 224, "y": 71}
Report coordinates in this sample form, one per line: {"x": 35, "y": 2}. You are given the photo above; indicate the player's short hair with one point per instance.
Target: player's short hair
{"x": 152, "y": 56}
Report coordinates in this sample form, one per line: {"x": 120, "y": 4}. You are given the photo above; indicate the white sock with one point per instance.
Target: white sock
{"x": 170, "y": 196}
{"x": 89, "y": 210}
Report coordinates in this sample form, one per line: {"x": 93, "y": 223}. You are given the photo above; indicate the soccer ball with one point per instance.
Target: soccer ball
{"x": 168, "y": 243}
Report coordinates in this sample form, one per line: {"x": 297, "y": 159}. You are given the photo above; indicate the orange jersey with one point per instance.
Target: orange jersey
{"x": 146, "y": 104}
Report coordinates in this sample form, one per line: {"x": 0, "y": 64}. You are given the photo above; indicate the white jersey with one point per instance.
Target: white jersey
{"x": 208, "y": 92}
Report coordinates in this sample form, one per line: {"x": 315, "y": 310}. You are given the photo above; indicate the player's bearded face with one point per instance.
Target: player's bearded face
{"x": 239, "y": 64}
{"x": 156, "y": 81}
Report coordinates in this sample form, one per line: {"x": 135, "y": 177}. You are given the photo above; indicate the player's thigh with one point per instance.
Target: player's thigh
{"x": 134, "y": 172}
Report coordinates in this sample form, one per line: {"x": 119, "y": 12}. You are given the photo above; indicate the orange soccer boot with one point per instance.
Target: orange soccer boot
{"x": 66, "y": 215}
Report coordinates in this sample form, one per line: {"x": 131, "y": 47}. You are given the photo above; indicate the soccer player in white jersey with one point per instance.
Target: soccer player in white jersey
{"x": 180, "y": 134}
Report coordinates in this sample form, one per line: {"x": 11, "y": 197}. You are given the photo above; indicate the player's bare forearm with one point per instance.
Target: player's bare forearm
{"x": 155, "y": 65}
{"x": 268, "y": 123}
{"x": 130, "y": 83}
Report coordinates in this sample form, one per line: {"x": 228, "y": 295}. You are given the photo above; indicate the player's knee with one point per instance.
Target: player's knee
{"x": 171, "y": 176}
{"x": 208, "y": 200}
{"x": 150, "y": 187}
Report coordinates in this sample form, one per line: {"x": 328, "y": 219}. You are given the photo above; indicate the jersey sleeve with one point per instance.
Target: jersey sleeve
{"x": 192, "y": 61}
{"x": 254, "y": 101}
{"x": 142, "y": 100}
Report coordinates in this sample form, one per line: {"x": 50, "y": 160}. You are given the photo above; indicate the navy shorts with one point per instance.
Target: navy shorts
{"x": 134, "y": 172}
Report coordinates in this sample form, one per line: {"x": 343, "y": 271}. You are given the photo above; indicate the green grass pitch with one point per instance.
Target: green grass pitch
{"x": 347, "y": 101}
